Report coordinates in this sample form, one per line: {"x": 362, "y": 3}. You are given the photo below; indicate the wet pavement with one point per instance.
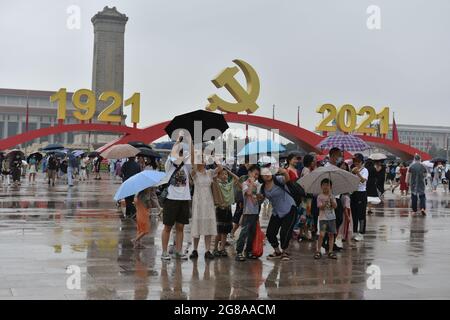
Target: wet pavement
{"x": 43, "y": 230}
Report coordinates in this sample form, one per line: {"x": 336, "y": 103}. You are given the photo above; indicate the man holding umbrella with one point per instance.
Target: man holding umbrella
{"x": 176, "y": 205}
{"x": 335, "y": 159}
{"x": 52, "y": 166}
{"x": 129, "y": 169}
{"x": 359, "y": 197}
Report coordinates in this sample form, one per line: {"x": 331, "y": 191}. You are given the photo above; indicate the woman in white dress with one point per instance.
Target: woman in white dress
{"x": 203, "y": 209}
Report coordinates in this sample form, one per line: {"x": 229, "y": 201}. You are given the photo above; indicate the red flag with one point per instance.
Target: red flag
{"x": 394, "y": 131}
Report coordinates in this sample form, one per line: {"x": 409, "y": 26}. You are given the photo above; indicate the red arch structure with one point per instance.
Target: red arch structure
{"x": 306, "y": 139}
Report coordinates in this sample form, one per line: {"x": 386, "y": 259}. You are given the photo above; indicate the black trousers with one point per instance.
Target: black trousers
{"x": 283, "y": 225}
{"x": 130, "y": 208}
{"x": 248, "y": 230}
{"x": 422, "y": 201}
{"x": 358, "y": 204}
{"x": 315, "y": 212}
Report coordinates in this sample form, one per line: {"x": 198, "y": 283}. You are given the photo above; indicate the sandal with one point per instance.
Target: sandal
{"x": 251, "y": 256}
{"x": 332, "y": 255}
{"x": 275, "y": 255}
{"x": 223, "y": 253}
{"x": 317, "y": 255}
{"x": 285, "y": 257}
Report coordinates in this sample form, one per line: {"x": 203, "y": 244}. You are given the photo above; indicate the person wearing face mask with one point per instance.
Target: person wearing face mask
{"x": 335, "y": 159}
{"x": 359, "y": 198}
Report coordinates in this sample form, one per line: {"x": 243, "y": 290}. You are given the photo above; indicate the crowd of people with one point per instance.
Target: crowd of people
{"x": 65, "y": 168}
{"x": 217, "y": 201}
{"x": 204, "y": 195}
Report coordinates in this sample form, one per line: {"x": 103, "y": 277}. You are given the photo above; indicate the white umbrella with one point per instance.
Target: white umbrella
{"x": 120, "y": 151}
{"x": 378, "y": 156}
{"x": 428, "y": 164}
{"x": 267, "y": 160}
{"x": 342, "y": 181}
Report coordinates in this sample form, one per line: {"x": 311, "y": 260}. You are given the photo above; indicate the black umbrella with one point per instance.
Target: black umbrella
{"x": 145, "y": 152}
{"x": 139, "y": 144}
{"x": 93, "y": 154}
{"x": 57, "y": 154}
{"x": 36, "y": 155}
{"x": 53, "y": 146}
{"x": 438, "y": 160}
{"x": 13, "y": 154}
{"x": 209, "y": 120}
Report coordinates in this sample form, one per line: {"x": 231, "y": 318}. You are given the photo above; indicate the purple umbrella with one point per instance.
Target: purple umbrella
{"x": 345, "y": 142}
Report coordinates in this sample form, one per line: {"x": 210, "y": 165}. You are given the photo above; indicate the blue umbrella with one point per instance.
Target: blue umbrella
{"x": 164, "y": 145}
{"x": 139, "y": 182}
{"x": 78, "y": 153}
{"x": 264, "y": 146}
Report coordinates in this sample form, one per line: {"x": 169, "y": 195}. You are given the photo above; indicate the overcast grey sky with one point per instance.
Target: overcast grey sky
{"x": 306, "y": 53}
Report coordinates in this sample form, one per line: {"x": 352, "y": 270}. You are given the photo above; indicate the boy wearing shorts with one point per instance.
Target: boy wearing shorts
{"x": 326, "y": 204}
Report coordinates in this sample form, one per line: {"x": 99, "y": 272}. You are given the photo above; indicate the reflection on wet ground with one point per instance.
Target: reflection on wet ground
{"x": 44, "y": 230}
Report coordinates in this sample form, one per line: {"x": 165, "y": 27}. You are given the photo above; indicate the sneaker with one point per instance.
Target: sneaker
{"x": 361, "y": 236}
{"x": 240, "y": 257}
{"x": 194, "y": 254}
{"x": 423, "y": 212}
{"x": 165, "y": 256}
{"x": 209, "y": 255}
{"x": 180, "y": 256}
{"x": 355, "y": 237}
{"x": 171, "y": 249}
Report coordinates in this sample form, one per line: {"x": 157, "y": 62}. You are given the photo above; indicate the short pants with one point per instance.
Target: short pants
{"x": 327, "y": 226}
{"x": 175, "y": 211}
{"x": 224, "y": 220}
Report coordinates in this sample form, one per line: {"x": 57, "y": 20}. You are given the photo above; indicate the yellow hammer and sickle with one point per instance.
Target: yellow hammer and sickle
{"x": 246, "y": 99}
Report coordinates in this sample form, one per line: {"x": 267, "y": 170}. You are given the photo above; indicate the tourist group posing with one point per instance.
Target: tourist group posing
{"x": 202, "y": 195}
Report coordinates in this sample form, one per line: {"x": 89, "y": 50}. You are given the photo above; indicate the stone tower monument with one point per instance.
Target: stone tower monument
{"x": 108, "y": 62}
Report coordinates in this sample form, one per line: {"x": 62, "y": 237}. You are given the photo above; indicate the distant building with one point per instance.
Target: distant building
{"x": 423, "y": 137}
{"x": 42, "y": 114}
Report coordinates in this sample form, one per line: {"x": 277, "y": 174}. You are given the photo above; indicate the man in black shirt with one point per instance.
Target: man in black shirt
{"x": 52, "y": 166}
{"x": 129, "y": 169}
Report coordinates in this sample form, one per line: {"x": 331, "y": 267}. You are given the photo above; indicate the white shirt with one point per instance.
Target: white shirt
{"x": 181, "y": 190}
{"x": 329, "y": 164}
{"x": 365, "y": 174}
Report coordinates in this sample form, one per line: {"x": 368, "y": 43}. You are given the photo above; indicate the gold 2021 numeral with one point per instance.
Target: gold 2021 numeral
{"x": 346, "y": 119}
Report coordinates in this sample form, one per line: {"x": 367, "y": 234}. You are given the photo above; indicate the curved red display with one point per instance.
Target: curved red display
{"x": 306, "y": 139}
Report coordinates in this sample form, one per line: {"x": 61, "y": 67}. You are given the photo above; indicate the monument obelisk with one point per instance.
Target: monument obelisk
{"x": 108, "y": 63}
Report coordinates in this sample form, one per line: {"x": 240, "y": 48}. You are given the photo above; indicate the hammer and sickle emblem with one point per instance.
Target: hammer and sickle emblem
{"x": 246, "y": 99}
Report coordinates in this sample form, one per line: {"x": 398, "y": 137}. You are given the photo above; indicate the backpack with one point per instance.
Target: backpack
{"x": 165, "y": 188}
{"x": 295, "y": 190}
{"x": 392, "y": 170}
